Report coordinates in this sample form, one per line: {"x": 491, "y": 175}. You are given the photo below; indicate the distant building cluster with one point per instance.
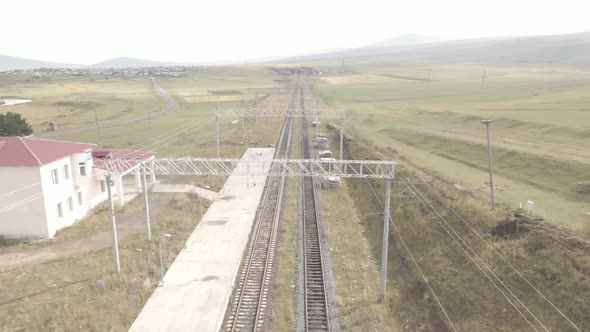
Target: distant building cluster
{"x": 173, "y": 71}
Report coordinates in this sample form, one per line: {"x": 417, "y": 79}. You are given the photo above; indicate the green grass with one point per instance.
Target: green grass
{"x": 283, "y": 303}
{"x": 220, "y": 84}
{"x": 354, "y": 268}
{"x": 540, "y": 134}
{"x": 190, "y": 130}
{"x": 77, "y": 102}
{"x": 553, "y": 259}
{"x": 225, "y": 92}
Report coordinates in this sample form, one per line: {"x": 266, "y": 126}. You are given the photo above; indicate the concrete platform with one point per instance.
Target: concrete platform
{"x": 198, "y": 285}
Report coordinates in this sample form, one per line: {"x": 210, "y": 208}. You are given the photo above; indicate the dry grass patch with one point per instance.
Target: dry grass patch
{"x": 354, "y": 269}
{"x": 81, "y": 293}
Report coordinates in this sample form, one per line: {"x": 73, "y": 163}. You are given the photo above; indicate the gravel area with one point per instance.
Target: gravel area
{"x": 299, "y": 277}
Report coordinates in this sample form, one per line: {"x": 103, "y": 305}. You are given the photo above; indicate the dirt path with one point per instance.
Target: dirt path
{"x": 171, "y": 104}
{"x": 127, "y": 224}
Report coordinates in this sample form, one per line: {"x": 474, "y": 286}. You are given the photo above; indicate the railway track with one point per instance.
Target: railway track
{"x": 249, "y": 305}
{"x": 316, "y": 311}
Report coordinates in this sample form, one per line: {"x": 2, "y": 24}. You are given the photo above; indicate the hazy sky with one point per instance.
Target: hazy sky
{"x": 83, "y": 31}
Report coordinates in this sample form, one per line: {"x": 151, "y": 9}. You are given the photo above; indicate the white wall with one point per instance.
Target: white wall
{"x": 39, "y": 217}
{"x": 88, "y": 185}
{"x": 28, "y": 218}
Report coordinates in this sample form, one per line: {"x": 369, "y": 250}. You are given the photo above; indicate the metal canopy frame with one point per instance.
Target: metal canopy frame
{"x": 360, "y": 169}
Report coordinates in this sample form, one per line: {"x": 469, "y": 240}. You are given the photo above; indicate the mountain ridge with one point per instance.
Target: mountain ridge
{"x": 8, "y": 63}
{"x": 571, "y": 49}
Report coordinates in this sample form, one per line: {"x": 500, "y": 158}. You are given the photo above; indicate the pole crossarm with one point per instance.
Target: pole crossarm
{"x": 372, "y": 169}
{"x": 264, "y": 112}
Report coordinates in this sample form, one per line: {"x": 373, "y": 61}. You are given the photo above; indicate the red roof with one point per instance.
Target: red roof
{"x": 33, "y": 151}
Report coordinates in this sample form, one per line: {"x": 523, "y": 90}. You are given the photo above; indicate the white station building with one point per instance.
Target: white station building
{"x": 46, "y": 185}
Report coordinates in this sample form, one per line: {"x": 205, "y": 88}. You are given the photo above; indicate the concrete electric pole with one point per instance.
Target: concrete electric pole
{"x": 385, "y": 245}
{"x": 114, "y": 244}
{"x": 487, "y": 123}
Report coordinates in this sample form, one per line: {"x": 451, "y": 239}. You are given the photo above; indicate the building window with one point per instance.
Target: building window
{"x": 66, "y": 172}
{"x": 70, "y": 204}
{"x": 103, "y": 186}
{"x": 80, "y": 200}
{"x": 60, "y": 211}
{"x": 54, "y": 176}
{"x": 82, "y": 168}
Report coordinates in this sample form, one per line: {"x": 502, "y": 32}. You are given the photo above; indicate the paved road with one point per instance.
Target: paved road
{"x": 171, "y": 104}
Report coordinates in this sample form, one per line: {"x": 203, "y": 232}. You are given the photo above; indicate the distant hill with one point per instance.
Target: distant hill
{"x": 571, "y": 49}
{"x": 11, "y": 63}
{"x": 123, "y": 62}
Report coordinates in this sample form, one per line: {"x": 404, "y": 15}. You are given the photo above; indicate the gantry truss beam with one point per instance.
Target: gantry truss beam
{"x": 263, "y": 112}
{"x": 373, "y": 169}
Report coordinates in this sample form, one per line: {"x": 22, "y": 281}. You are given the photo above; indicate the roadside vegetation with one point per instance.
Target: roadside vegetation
{"x": 355, "y": 268}
{"x": 81, "y": 292}
{"x": 552, "y": 258}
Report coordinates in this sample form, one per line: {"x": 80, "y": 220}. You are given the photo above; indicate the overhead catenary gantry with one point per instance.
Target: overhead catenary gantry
{"x": 243, "y": 113}
{"x": 373, "y": 169}
{"x": 359, "y": 169}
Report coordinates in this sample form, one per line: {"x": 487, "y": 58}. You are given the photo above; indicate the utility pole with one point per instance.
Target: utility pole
{"x": 341, "y": 137}
{"x": 317, "y": 127}
{"x": 115, "y": 245}
{"x": 483, "y": 78}
{"x": 146, "y": 204}
{"x": 385, "y": 245}
{"x": 162, "y": 238}
{"x": 487, "y": 123}
{"x": 217, "y": 132}
{"x": 428, "y": 79}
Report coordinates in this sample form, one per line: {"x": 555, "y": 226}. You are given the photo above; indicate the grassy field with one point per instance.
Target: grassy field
{"x": 541, "y": 133}
{"x": 78, "y": 101}
{"x": 190, "y": 130}
{"x": 551, "y": 258}
{"x": 221, "y": 84}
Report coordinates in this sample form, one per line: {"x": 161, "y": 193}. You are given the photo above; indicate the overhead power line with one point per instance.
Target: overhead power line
{"x": 440, "y": 220}
{"x": 413, "y": 259}
{"x": 502, "y": 258}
